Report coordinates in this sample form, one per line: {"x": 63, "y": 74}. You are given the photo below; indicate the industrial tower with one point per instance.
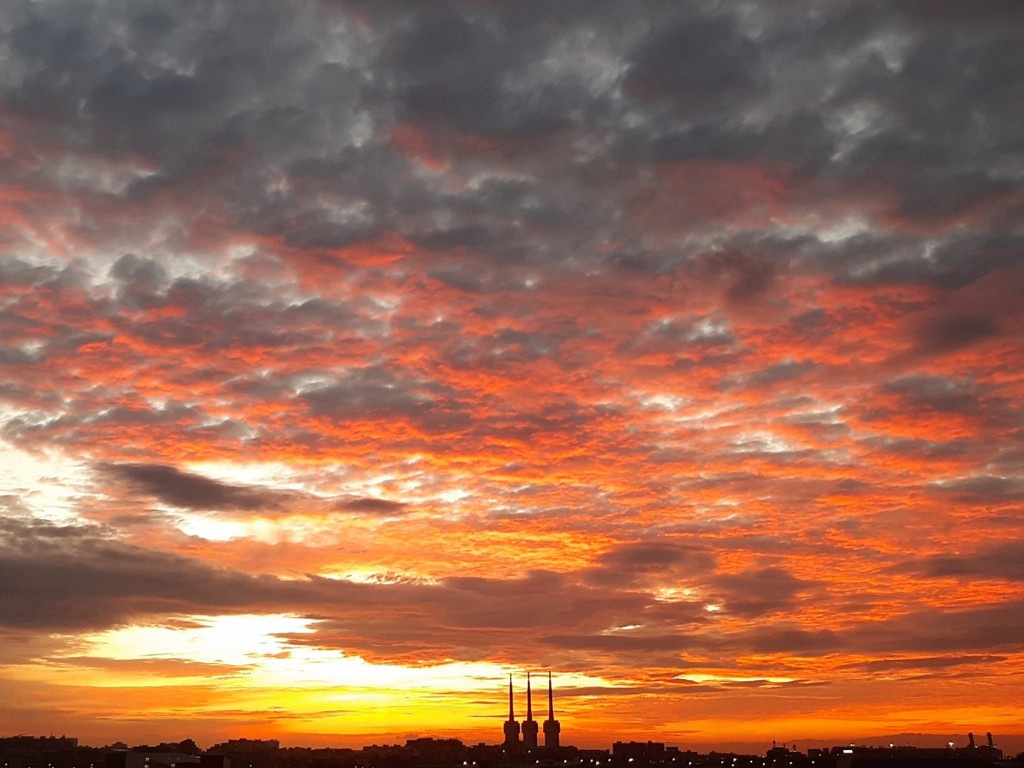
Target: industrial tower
{"x": 551, "y": 726}
{"x": 511, "y": 743}
{"x": 530, "y": 726}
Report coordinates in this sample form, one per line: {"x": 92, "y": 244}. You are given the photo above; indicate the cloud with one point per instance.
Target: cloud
{"x": 696, "y": 62}
{"x": 643, "y": 562}
{"x": 952, "y": 332}
{"x": 795, "y": 640}
{"x": 72, "y": 578}
{"x": 930, "y": 662}
{"x": 191, "y": 491}
{"x": 550, "y": 328}
{"x": 1002, "y": 561}
{"x": 984, "y": 628}
{"x": 981, "y": 489}
{"x": 759, "y": 591}
{"x": 161, "y": 667}
{"x": 373, "y": 506}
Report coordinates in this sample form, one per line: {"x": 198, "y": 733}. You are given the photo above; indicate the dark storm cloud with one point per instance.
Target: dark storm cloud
{"x": 643, "y": 562}
{"x": 214, "y": 314}
{"x": 621, "y": 643}
{"x": 759, "y": 591}
{"x": 951, "y": 332}
{"x": 475, "y": 70}
{"x": 74, "y": 577}
{"x": 746, "y": 276}
{"x": 145, "y": 80}
{"x": 982, "y": 489}
{"x": 962, "y": 632}
{"x": 453, "y": 67}
{"x": 927, "y": 662}
{"x": 367, "y": 391}
{"x": 373, "y": 506}
{"x": 282, "y": 120}
{"x": 795, "y": 640}
{"x": 375, "y": 392}
{"x": 1002, "y": 561}
{"x": 71, "y": 577}
{"x": 188, "y": 490}
{"x": 707, "y": 337}
{"x": 191, "y": 491}
{"x": 945, "y": 77}
{"x": 142, "y": 281}
{"x": 935, "y": 393}
{"x": 754, "y": 592}
{"x": 696, "y": 63}
{"x": 525, "y": 602}
{"x": 927, "y": 449}
{"x": 773, "y": 374}
{"x": 934, "y": 399}
{"x": 984, "y": 628}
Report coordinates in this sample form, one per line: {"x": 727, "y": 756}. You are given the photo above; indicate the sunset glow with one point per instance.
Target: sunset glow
{"x": 357, "y": 355}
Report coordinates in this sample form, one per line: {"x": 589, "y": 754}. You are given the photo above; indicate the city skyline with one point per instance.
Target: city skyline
{"x": 515, "y": 744}
{"x": 356, "y": 355}
{"x": 963, "y": 744}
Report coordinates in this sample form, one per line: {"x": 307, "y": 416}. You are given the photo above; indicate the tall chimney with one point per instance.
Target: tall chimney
{"x": 530, "y": 727}
{"x": 511, "y": 743}
{"x": 551, "y": 726}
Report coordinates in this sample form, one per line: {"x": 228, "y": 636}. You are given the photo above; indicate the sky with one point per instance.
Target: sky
{"x": 355, "y": 355}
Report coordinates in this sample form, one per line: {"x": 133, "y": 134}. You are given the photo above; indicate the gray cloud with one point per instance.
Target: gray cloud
{"x": 950, "y": 661}
{"x": 191, "y": 491}
{"x": 71, "y": 577}
{"x": 760, "y": 591}
{"x": 74, "y": 577}
{"x": 696, "y": 62}
{"x": 932, "y": 630}
{"x": 642, "y": 562}
{"x": 373, "y": 506}
{"x": 265, "y": 228}
{"x": 951, "y": 332}
{"x": 1001, "y": 561}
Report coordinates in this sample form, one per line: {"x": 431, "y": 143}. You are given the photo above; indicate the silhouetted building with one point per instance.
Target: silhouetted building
{"x": 530, "y": 726}
{"x": 552, "y": 728}
{"x": 511, "y": 743}
{"x": 214, "y": 761}
{"x": 248, "y": 753}
{"x": 784, "y": 756}
{"x": 423, "y": 752}
{"x": 245, "y": 745}
{"x": 914, "y": 757}
{"x": 638, "y": 750}
{"x": 40, "y": 752}
{"x": 142, "y": 758}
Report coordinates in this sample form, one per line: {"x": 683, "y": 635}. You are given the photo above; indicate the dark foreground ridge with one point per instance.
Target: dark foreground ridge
{"x": 64, "y": 752}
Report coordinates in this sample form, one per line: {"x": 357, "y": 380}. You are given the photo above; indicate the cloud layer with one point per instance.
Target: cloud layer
{"x": 673, "y": 345}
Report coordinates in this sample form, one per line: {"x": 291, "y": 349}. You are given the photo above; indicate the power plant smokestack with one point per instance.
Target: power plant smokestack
{"x": 511, "y": 743}
{"x": 990, "y": 742}
{"x": 530, "y": 726}
{"x": 551, "y": 726}
{"x": 970, "y": 738}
